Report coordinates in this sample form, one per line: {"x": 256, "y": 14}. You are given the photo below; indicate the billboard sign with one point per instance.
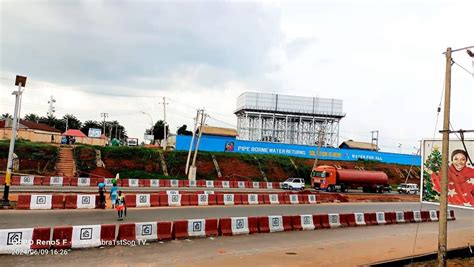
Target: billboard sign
{"x": 132, "y": 141}
{"x": 94, "y": 133}
{"x": 460, "y": 172}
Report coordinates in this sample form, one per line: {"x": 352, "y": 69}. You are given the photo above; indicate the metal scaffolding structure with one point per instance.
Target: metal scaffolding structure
{"x": 288, "y": 119}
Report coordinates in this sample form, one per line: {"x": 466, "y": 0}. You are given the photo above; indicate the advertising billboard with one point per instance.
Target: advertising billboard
{"x": 94, "y": 133}
{"x": 460, "y": 172}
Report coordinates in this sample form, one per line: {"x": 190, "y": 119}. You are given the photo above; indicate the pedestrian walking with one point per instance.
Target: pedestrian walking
{"x": 120, "y": 206}
{"x": 113, "y": 194}
{"x": 102, "y": 192}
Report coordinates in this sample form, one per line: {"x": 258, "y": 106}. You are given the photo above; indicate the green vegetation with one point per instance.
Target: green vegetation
{"x": 146, "y": 175}
{"x": 29, "y": 150}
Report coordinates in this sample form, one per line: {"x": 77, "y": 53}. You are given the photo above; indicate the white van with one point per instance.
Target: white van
{"x": 408, "y": 189}
{"x": 293, "y": 183}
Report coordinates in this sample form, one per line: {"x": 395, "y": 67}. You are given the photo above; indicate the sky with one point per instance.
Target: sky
{"x": 384, "y": 59}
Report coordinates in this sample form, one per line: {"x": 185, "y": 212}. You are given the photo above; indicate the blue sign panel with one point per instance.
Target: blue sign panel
{"x": 232, "y": 145}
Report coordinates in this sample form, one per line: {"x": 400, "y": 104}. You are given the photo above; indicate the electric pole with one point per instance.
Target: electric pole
{"x": 105, "y": 115}
{"x": 192, "y": 172}
{"x": 51, "y": 108}
{"x": 321, "y": 134}
{"x": 164, "y": 122}
{"x": 192, "y": 141}
{"x": 20, "y": 81}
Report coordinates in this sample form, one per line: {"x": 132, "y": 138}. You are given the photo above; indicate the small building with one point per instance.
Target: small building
{"x": 219, "y": 131}
{"x": 351, "y": 144}
{"x": 30, "y": 130}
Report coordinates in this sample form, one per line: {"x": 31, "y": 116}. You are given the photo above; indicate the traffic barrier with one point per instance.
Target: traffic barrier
{"x": 195, "y": 228}
{"x": 83, "y": 236}
{"x": 15, "y": 180}
{"x": 416, "y": 216}
{"x": 41, "y": 238}
{"x": 269, "y": 185}
{"x": 142, "y": 200}
{"x": 334, "y": 220}
{"x": 165, "y": 231}
{"x": 241, "y": 184}
{"x": 303, "y": 222}
{"x": 62, "y": 234}
{"x": 13, "y": 240}
{"x": 273, "y": 199}
{"x": 170, "y": 200}
{"x": 39, "y": 202}
{"x": 354, "y": 218}
{"x": 400, "y": 217}
{"x": 370, "y": 218}
{"x": 380, "y": 216}
{"x": 55, "y": 181}
{"x": 154, "y": 200}
{"x": 450, "y": 215}
{"x": 433, "y": 216}
{"x": 270, "y": 224}
{"x": 238, "y": 226}
{"x": 82, "y": 181}
{"x": 225, "y": 199}
{"x": 425, "y": 216}
{"x": 80, "y": 201}
{"x": 185, "y": 200}
{"x": 283, "y": 198}
{"x": 131, "y": 200}
{"x": 57, "y": 201}
{"x": 201, "y": 183}
{"x": 2, "y": 180}
{"x": 218, "y": 184}
{"x": 164, "y": 183}
{"x": 174, "y": 183}
{"x": 226, "y": 184}
{"x": 311, "y": 199}
{"x": 130, "y": 182}
{"x": 255, "y": 185}
{"x": 142, "y": 231}
{"x": 293, "y": 199}
{"x": 23, "y": 202}
{"x": 244, "y": 199}
{"x": 154, "y": 182}
{"x": 390, "y": 217}
{"x": 29, "y": 180}
{"x": 209, "y": 184}
{"x": 253, "y": 199}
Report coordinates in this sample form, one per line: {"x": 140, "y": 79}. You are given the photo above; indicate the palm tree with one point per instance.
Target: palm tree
{"x": 32, "y": 117}
{"x": 6, "y": 116}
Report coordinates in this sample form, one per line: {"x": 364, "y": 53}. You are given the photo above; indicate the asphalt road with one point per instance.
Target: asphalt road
{"x": 31, "y": 218}
{"x": 351, "y": 246}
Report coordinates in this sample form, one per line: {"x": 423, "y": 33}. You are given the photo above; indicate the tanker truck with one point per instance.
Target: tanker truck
{"x": 331, "y": 179}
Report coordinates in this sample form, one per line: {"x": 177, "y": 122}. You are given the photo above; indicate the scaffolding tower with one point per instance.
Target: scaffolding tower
{"x": 288, "y": 119}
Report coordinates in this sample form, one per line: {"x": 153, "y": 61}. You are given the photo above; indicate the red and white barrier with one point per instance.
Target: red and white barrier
{"x": 172, "y": 192}
{"x": 13, "y": 240}
{"x": 174, "y": 183}
{"x": 311, "y": 199}
{"x": 195, "y": 228}
{"x": 209, "y": 184}
{"x": 203, "y": 199}
{"x": 269, "y": 185}
{"x": 41, "y": 202}
{"x": 252, "y": 199}
{"x": 400, "y": 217}
{"x": 192, "y": 183}
{"x": 276, "y": 223}
{"x": 241, "y": 184}
{"x": 238, "y": 225}
{"x": 85, "y": 201}
{"x": 255, "y": 185}
{"x": 380, "y": 217}
{"x": 294, "y": 199}
{"x": 305, "y": 222}
{"x": 143, "y": 200}
{"x": 273, "y": 199}
{"x": 225, "y": 184}
{"x": 433, "y": 216}
{"x": 154, "y": 183}
{"x": 417, "y": 216}
{"x": 359, "y": 219}
{"x": 174, "y": 200}
{"x": 56, "y": 181}
{"x": 27, "y": 180}
{"x": 334, "y": 220}
{"x": 83, "y": 181}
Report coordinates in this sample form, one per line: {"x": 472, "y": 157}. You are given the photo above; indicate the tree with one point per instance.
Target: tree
{"x": 158, "y": 130}
{"x": 6, "y": 116}
{"x": 32, "y": 117}
{"x": 50, "y": 120}
{"x": 432, "y": 165}
{"x": 182, "y": 130}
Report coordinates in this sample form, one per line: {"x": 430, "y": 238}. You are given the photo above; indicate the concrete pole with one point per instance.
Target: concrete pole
{"x": 203, "y": 120}
{"x": 443, "y": 200}
{"x": 192, "y": 141}
{"x": 6, "y": 190}
{"x": 164, "y": 123}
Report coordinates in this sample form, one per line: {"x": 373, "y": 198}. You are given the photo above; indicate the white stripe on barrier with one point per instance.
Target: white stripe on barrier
{"x": 433, "y": 216}
{"x": 174, "y": 183}
{"x": 56, "y": 180}
{"x": 209, "y": 184}
{"x": 225, "y": 184}
{"x": 269, "y": 185}
{"x": 85, "y": 201}
{"x": 86, "y": 236}
{"x": 192, "y": 183}
{"x": 273, "y": 199}
{"x": 307, "y": 222}
{"x": 417, "y": 216}
{"x": 228, "y": 199}
{"x": 334, "y": 220}
{"x": 133, "y": 183}
{"x": 174, "y": 200}
{"x": 449, "y": 217}
{"x": 380, "y": 217}
{"x": 197, "y": 227}
{"x": 209, "y": 192}
{"x": 359, "y": 218}
{"x": 203, "y": 200}
{"x": 240, "y": 225}
{"x": 400, "y": 216}
{"x": 172, "y": 192}
{"x": 294, "y": 199}
{"x": 83, "y": 181}
{"x": 146, "y": 230}
{"x": 15, "y": 240}
{"x": 253, "y": 199}
{"x": 312, "y": 199}
{"x": 154, "y": 183}
{"x": 275, "y": 223}
{"x": 241, "y": 184}
{"x": 27, "y": 180}
{"x": 255, "y": 184}
{"x": 40, "y": 202}
{"x": 143, "y": 200}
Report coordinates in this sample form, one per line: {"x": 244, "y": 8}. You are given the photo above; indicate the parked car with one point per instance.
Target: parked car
{"x": 293, "y": 183}
{"x": 387, "y": 188}
{"x": 408, "y": 189}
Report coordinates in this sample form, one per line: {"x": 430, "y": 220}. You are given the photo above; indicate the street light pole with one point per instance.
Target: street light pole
{"x": 21, "y": 82}
{"x": 151, "y": 123}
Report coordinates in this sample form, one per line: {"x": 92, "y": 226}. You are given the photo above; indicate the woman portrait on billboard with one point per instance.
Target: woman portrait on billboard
{"x": 460, "y": 180}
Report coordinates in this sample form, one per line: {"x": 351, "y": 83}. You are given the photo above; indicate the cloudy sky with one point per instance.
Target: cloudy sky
{"x": 382, "y": 58}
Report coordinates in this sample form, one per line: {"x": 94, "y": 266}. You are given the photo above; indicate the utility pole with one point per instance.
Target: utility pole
{"x": 192, "y": 173}
{"x": 321, "y": 134}
{"x": 164, "y": 122}
{"x": 51, "y": 108}
{"x": 192, "y": 141}
{"x": 67, "y": 123}
{"x": 443, "y": 200}
{"x": 375, "y": 140}
{"x": 21, "y": 82}
{"x": 105, "y": 115}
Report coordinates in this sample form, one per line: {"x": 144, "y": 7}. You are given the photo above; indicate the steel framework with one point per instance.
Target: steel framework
{"x": 288, "y": 119}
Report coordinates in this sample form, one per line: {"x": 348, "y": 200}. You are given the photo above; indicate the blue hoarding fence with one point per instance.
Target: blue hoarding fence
{"x": 232, "y": 145}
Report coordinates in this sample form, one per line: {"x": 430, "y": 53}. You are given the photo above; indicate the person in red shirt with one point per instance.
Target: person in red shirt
{"x": 460, "y": 180}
